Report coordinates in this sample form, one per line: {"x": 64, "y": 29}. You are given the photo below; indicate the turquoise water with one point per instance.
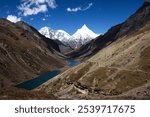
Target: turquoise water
{"x": 72, "y": 63}
{"x": 31, "y": 84}
{"x": 34, "y": 83}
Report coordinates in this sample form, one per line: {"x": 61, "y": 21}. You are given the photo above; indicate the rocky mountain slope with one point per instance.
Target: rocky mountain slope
{"x": 25, "y": 53}
{"x": 131, "y": 25}
{"x": 60, "y": 37}
{"x": 51, "y": 44}
{"x": 120, "y": 68}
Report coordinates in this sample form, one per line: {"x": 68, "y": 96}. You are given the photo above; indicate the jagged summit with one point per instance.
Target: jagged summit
{"x": 60, "y": 35}
{"x": 84, "y": 27}
{"x": 79, "y": 38}
{"x": 84, "y": 32}
{"x": 83, "y": 35}
{"x": 45, "y": 31}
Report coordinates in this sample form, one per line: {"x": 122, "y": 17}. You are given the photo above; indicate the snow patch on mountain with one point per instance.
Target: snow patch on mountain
{"x": 54, "y": 34}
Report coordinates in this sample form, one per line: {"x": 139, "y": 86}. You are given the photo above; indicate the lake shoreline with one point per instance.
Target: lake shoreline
{"x": 44, "y": 77}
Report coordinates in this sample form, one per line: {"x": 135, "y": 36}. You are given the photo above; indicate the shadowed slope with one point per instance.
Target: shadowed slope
{"x": 25, "y": 54}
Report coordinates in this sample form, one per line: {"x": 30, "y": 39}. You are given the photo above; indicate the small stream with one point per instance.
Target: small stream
{"x": 34, "y": 83}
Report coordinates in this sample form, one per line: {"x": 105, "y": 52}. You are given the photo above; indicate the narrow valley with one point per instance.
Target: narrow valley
{"x": 49, "y": 63}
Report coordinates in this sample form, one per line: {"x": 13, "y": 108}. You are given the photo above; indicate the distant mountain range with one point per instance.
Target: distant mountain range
{"x": 79, "y": 38}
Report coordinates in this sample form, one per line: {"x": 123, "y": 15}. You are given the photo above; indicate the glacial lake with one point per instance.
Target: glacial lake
{"x": 34, "y": 83}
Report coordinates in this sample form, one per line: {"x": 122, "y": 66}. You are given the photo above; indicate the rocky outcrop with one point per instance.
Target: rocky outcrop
{"x": 51, "y": 44}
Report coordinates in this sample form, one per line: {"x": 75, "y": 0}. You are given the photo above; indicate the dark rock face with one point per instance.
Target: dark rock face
{"x": 51, "y": 44}
{"x": 130, "y": 26}
{"x": 63, "y": 47}
{"x": 136, "y": 21}
{"x": 24, "y": 53}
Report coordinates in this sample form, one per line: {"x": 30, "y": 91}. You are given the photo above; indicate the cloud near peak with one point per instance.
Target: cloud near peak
{"x": 33, "y": 7}
{"x": 80, "y": 8}
{"x": 13, "y": 18}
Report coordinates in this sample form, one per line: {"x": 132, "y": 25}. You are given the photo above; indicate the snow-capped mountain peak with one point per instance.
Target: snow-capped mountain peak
{"x": 45, "y": 31}
{"x": 84, "y": 35}
{"x": 84, "y": 32}
{"x": 80, "y": 37}
{"x": 84, "y": 27}
{"x": 55, "y": 34}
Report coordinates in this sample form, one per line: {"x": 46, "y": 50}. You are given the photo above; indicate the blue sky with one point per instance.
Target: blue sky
{"x": 69, "y": 15}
